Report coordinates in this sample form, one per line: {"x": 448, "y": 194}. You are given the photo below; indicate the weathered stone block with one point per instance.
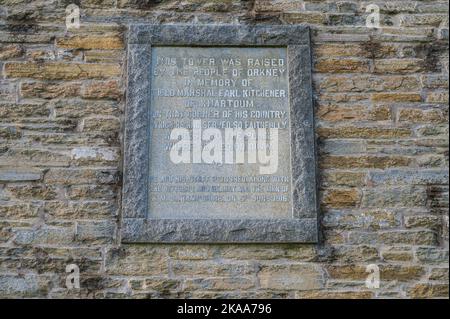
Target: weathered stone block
{"x": 434, "y": 81}
{"x": 348, "y": 162}
{"x": 79, "y": 192}
{"x": 137, "y": 260}
{"x": 278, "y": 5}
{"x": 99, "y": 56}
{"x": 45, "y": 235}
{"x": 356, "y": 253}
{"x": 10, "y": 51}
{"x": 19, "y": 210}
{"x": 49, "y": 91}
{"x": 89, "y": 42}
{"x": 394, "y": 197}
{"x": 432, "y": 255}
{"x": 387, "y": 272}
{"x": 439, "y": 274}
{"x": 342, "y": 66}
{"x": 44, "y": 192}
{"x": 434, "y": 20}
{"x": 220, "y": 283}
{"x": 426, "y": 238}
{"x": 10, "y": 133}
{"x": 340, "y": 198}
{"x": 61, "y": 71}
{"x": 337, "y": 113}
{"x": 13, "y": 110}
{"x": 271, "y": 252}
{"x": 304, "y": 17}
{"x": 94, "y": 155}
{"x": 408, "y": 177}
{"x": 428, "y": 290}
{"x": 94, "y": 124}
{"x": 291, "y": 277}
{"x": 397, "y": 254}
{"x": 366, "y": 83}
{"x": 77, "y": 176}
{"x": 79, "y": 210}
{"x": 429, "y": 222}
{"x": 161, "y": 284}
{"x": 75, "y": 109}
{"x": 342, "y": 146}
{"x": 362, "y": 132}
{"x": 95, "y": 231}
{"x": 29, "y": 285}
{"x": 396, "y": 97}
{"x": 422, "y": 116}
{"x": 102, "y": 90}
{"x": 437, "y": 98}
{"x": 402, "y": 66}
{"x": 211, "y": 268}
{"x": 19, "y": 175}
{"x": 371, "y": 220}
{"x": 334, "y": 294}
{"x": 343, "y": 178}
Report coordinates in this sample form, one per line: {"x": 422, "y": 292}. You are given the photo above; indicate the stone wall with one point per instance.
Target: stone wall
{"x": 381, "y": 106}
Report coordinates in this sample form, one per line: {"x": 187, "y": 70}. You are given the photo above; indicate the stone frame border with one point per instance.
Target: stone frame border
{"x": 136, "y": 227}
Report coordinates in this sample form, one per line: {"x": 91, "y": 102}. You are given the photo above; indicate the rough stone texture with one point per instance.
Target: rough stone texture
{"x": 378, "y": 160}
{"x": 219, "y": 230}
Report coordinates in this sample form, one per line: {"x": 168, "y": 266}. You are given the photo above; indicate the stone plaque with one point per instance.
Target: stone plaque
{"x": 221, "y": 88}
{"x": 219, "y": 138}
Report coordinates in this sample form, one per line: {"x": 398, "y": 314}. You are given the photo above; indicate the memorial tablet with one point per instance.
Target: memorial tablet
{"x": 219, "y": 135}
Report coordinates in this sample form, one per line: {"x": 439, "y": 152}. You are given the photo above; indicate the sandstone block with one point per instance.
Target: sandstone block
{"x": 340, "y": 198}
{"x": 89, "y": 42}
{"x": 350, "y": 162}
{"x": 102, "y": 90}
{"x": 10, "y": 51}
{"x": 61, "y": 71}
{"x": 49, "y": 91}
{"x": 137, "y": 260}
{"x": 362, "y": 132}
{"x": 342, "y": 66}
{"x": 427, "y": 290}
{"x": 291, "y": 277}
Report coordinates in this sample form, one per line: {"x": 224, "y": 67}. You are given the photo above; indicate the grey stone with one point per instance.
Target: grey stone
{"x": 337, "y": 147}
{"x": 136, "y": 150}
{"x": 45, "y": 235}
{"x": 19, "y": 176}
{"x": 219, "y": 231}
{"x": 412, "y": 177}
{"x": 432, "y": 254}
{"x": 303, "y": 148}
{"x": 95, "y": 230}
{"x": 26, "y": 285}
{"x": 394, "y": 197}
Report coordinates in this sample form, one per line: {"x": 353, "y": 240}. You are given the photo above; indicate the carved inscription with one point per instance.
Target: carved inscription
{"x": 229, "y": 90}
